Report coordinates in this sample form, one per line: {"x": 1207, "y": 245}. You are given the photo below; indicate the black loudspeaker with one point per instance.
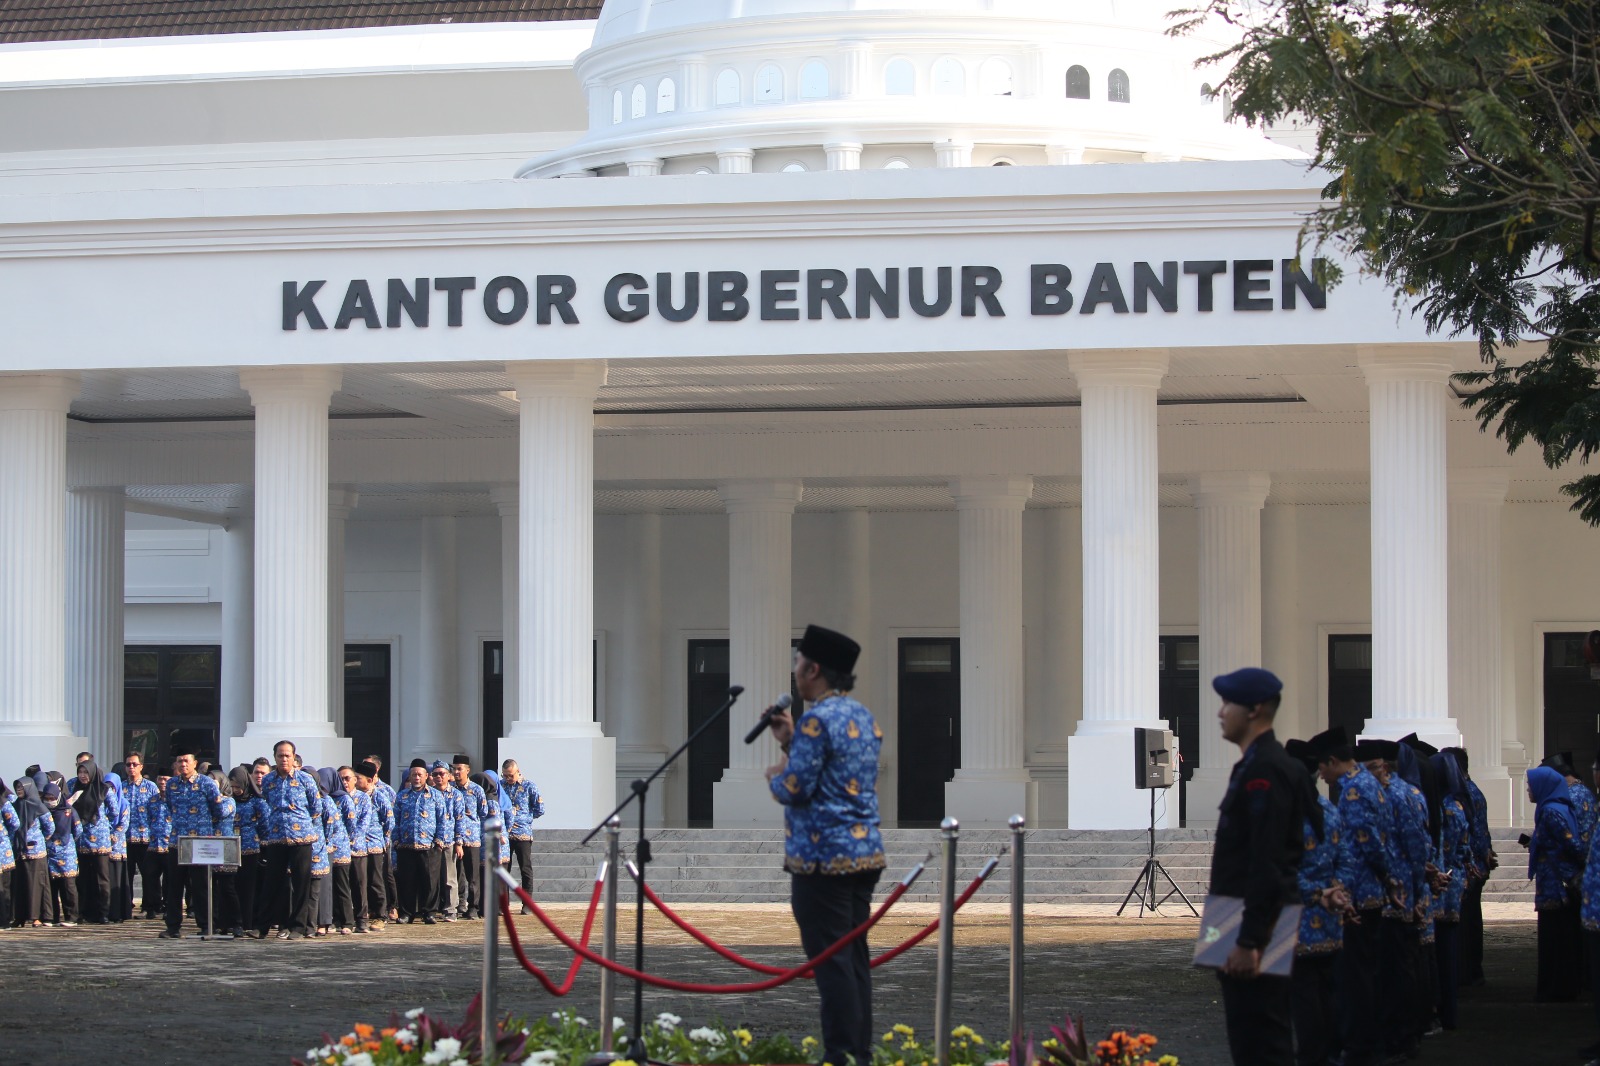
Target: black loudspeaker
{"x": 1155, "y": 759}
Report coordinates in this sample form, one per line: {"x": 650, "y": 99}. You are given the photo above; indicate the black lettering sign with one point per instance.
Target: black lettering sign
{"x": 980, "y": 283}
{"x": 555, "y": 294}
{"x": 1245, "y": 286}
{"x": 725, "y": 299}
{"x": 413, "y": 304}
{"x": 777, "y": 287}
{"x": 638, "y": 302}
{"x": 1164, "y": 289}
{"x": 1104, "y": 288}
{"x": 826, "y": 287}
{"x": 509, "y": 316}
{"x": 1294, "y": 280}
{"x": 691, "y": 297}
{"x": 869, "y": 292}
{"x": 301, "y": 302}
{"x": 1204, "y": 271}
{"x": 1048, "y": 283}
{"x": 358, "y": 304}
{"x": 941, "y": 299}
{"x": 453, "y": 288}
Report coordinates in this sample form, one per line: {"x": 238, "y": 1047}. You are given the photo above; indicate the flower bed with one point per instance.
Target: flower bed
{"x": 566, "y": 1039}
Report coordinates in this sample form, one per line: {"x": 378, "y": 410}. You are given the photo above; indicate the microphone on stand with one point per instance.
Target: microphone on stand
{"x": 783, "y": 704}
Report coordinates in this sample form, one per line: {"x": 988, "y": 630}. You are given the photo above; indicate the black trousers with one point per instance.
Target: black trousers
{"x": 31, "y": 900}
{"x": 358, "y": 889}
{"x": 1472, "y": 935}
{"x": 225, "y": 901}
{"x": 94, "y": 883}
{"x": 391, "y": 879}
{"x": 826, "y": 908}
{"x": 344, "y": 910}
{"x": 1447, "y": 957}
{"x": 286, "y": 887}
{"x": 140, "y": 860}
{"x": 469, "y": 880}
{"x": 1259, "y": 1014}
{"x": 522, "y": 855}
{"x": 175, "y": 880}
{"x": 1560, "y": 953}
{"x": 1360, "y": 964}
{"x": 245, "y": 884}
{"x": 64, "y": 898}
{"x": 1399, "y": 985}
{"x": 1314, "y": 1020}
{"x": 6, "y": 879}
{"x": 418, "y": 876}
{"x": 121, "y": 908}
{"x": 378, "y": 898}
{"x": 1593, "y": 941}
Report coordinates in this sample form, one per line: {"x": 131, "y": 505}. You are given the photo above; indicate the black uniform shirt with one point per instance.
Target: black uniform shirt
{"x": 1259, "y": 845}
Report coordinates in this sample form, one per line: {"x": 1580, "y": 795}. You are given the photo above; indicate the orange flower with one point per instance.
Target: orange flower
{"x": 373, "y": 1045}
{"x": 387, "y": 1032}
{"x": 363, "y": 1030}
{"x": 348, "y": 1040}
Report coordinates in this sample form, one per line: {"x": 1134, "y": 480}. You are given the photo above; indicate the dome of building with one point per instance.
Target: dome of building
{"x": 733, "y": 86}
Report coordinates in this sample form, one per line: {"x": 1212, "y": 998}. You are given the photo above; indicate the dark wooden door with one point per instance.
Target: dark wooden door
{"x": 1571, "y": 700}
{"x": 1180, "y": 705}
{"x": 708, "y": 757}
{"x": 172, "y": 700}
{"x": 929, "y": 717}
{"x": 493, "y": 711}
{"x": 1350, "y": 682}
{"x": 366, "y": 703}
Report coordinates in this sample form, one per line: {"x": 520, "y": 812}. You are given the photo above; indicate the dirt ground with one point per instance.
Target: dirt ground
{"x": 153, "y": 1001}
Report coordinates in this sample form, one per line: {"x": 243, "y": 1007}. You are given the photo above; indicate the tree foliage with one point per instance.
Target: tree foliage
{"x": 1463, "y": 137}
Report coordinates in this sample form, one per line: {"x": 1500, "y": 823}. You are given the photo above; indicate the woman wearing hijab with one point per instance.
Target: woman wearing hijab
{"x": 94, "y": 803}
{"x": 1555, "y": 861}
{"x": 121, "y": 907}
{"x": 62, "y": 856}
{"x": 249, "y": 808}
{"x": 1454, "y": 862}
{"x": 30, "y": 898}
{"x": 224, "y": 879}
{"x": 497, "y": 798}
{"x": 337, "y": 910}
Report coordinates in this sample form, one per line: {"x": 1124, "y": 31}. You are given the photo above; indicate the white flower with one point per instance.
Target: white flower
{"x": 667, "y": 1022}
{"x": 414, "y": 1013}
{"x": 360, "y": 1058}
{"x": 707, "y": 1035}
{"x": 458, "y": 1062}
{"x": 543, "y": 1058}
{"x": 405, "y": 1037}
{"x": 618, "y": 1023}
{"x": 581, "y": 1021}
{"x": 444, "y": 1049}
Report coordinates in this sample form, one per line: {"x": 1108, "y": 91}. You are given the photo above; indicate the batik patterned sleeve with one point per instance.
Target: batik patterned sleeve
{"x": 226, "y": 814}
{"x": 807, "y": 754}
{"x": 10, "y": 825}
{"x": 1362, "y": 814}
{"x": 1320, "y": 929}
{"x": 535, "y": 801}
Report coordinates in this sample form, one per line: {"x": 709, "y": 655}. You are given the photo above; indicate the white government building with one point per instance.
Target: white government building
{"x": 973, "y": 328}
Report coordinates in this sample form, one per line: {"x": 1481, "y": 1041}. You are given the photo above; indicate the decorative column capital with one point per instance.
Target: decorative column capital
{"x": 1383, "y": 363}
{"x": 644, "y": 167}
{"x": 38, "y": 392}
{"x": 278, "y": 384}
{"x": 1230, "y": 489}
{"x": 1006, "y": 490}
{"x": 952, "y": 154}
{"x": 506, "y": 499}
{"x": 843, "y": 155}
{"x": 773, "y": 496}
{"x": 736, "y": 160}
{"x": 576, "y": 378}
{"x": 1063, "y": 155}
{"x": 1480, "y": 485}
{"x": 1134, "y": 368}
{"x": 341, "y": 502}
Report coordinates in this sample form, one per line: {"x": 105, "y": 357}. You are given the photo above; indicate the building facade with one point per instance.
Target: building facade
{"x": 332, "y": 409}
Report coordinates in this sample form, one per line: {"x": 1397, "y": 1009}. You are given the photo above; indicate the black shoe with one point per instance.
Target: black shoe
{"x": 430, "y": 920}
{"x": 170, "y": 934}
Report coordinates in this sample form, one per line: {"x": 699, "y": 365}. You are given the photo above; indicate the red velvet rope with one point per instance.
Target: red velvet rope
{"x": 577, "y": 960}
{"x": 760, "y": 967}
{"x": 583, "y": 951}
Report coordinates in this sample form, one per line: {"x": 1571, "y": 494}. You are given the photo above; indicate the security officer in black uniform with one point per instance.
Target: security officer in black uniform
{"x": 1257, "y": 857}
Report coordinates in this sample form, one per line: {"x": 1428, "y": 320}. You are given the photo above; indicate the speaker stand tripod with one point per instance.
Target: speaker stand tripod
{"x": 1144, "y": 886}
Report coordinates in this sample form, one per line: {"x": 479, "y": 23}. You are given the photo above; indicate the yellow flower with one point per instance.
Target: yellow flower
{"x": 808, "y": 1043}
{"x": 744, "y": 1036}
{"x": 961, "y": 1031}
{"x": 624, "y": 1062}
{"x": 888, "y": 1038}
{"x": 1169, "y": 1060}
{"x": 905, "y": 1030}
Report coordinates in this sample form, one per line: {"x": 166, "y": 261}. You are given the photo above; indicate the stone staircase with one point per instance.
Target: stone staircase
{"x": 1064, "y": 866}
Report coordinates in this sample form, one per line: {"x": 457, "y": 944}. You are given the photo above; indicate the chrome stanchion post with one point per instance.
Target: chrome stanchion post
{"x": 608, "y": 946}
{"x": 492, "y": 828}
{"x": 950, "y": 829}
{"x": 1018, "y": 823}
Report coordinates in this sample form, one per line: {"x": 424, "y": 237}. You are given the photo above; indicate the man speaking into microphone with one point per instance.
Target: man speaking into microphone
{"x": 828, "y": 785}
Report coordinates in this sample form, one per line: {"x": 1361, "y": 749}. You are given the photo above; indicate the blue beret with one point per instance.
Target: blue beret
{"x": 1249, "y": 686}
{"x": 438, "y": 764}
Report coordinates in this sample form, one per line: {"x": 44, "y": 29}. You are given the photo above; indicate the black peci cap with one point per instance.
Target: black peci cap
{"x": 830, "y": 650}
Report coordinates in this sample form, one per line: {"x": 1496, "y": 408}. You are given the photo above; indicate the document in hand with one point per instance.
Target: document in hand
{"x": 1219, "y": 932}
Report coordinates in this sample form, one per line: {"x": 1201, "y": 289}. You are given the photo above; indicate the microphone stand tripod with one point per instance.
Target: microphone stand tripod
{"x": 641, "y": 855}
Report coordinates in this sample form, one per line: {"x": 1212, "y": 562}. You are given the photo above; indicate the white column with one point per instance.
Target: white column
{"x": 291, "y": 573}
{"x": 855, "y": 597}
{"x": 33, "y": 574}
{"x": 735, "y": 161}
{"x": 1477, "y": 652}
{"x": 340, "y": 503}
{"x": 554, "y": 737}
{"x": 843, "y": 155}
{"x": 992, "y": 783}
{"x": 1063, "y": 155}
{"x": 438, "y": 710}
{"x": 1410, "y": 545}
{"x": 952, "y": 154}
{"x": 1062, "y": 668}
{"x": 760, "y": 626}
{"x": 1229, "y": 506}
{"x": 647, "y": 167}
{"x": 638, "y": 716}
{"x": 238, "y": 627}
{"x": 1121, "y": 586}
{"x": 96, "y": 557}
{"x": 855, "y": 75}
{"x": 505, "y": 502}
{"x": 1285, "y": 637}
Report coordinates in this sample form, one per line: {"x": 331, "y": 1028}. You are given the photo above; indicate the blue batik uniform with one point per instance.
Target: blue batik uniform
{"x": 469, "y": 832}
{"x": 419, "y": 818}
{"x": 10, "y": 825}
{"x": 140, "y": 797}
{"x": 455, "y": 811}
{"x": 383, "y": 802}
{"x": 63, "y": 853}
{"x": 194, "y": 806}
{"x": 36, "y": 838}
{"x": 1325, "y": 860}
{"x": 1412, "y": 848}
{"x": 1478, "y": 823}
{"x": 1590, "y": 911}
{"x": 526, "y": 805}
{"x": 119, "y": 825}
{"x": 1455, "y": 855}
{"x": 247, "y": 819}
{"x": 350, "y": 806}
{"x": 1582, "y": 810}
{"x": 829, "y": 791}
{"x": 160, "y": 824}
{"x": 335, "y": 831}
{"x": 294, "y": 804}
{"x": 95, "y": 837}
{"x": 320, "y": 864}
{"x": 1557, "y": 861}
{"x": 1366, "y": 824}
{"x": 369, "y": 836}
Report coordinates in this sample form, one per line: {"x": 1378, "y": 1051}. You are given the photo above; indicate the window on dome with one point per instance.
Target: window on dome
{"x": 899, "y": 78}
{"x": 769, "y": 84}
{"x": 997, "y": 79}
{"x": 1002, "y": 163}
{"x": 795, "y": 167}
{"x": 897, "y": 164}
{"x": 1077, "y": 83}
{"x": 1208, "y": 95}
{"x": 814, "y": 80}
{"x": 949, "y": 78}
{"x": 727, "y": 87}
{"x": 1117, "y": 87}
{"x": 637, "y": 108}
{"x": 616, "y": 106}
{"x": 666, "y": 96}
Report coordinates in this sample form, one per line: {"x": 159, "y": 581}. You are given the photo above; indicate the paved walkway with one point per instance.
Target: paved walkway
{"x": 144, "y": 1000}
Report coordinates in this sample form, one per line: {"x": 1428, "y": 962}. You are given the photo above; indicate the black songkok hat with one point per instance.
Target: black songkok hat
{"x": 1418, "y": 745}
{"x": 833, "y": 651}
{"x": 1302, "y": 750}
{"x": 419, "y": 764}
{"x": 1367, "y": 750}
{"x": 1326, "y": 742}
{"x": 367, "y": 769}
